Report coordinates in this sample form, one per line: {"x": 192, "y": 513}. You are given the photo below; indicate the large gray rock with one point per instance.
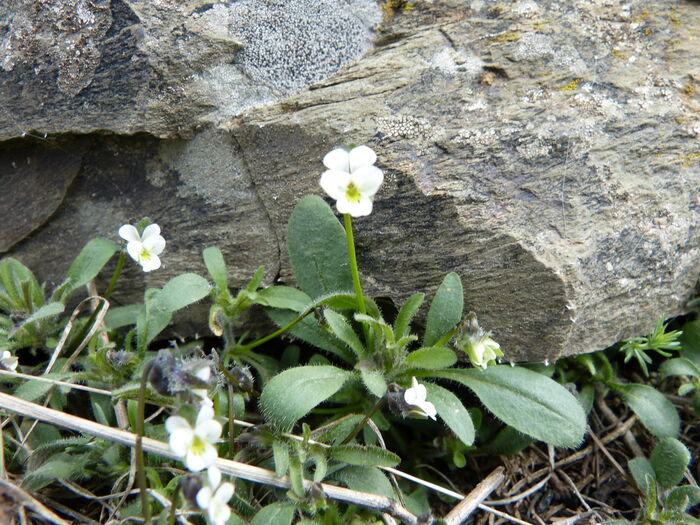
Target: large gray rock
{"x": 547, "y": 152}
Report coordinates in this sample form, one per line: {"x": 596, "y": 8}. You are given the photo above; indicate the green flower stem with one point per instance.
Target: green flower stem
{"x": 115, "y": 275}
{"x": 356, "y": 276}
{"x": 274, "y": 334}
{"x": 353, "y": 264}
{"x": 362, "y": 423}
{"x": 173, "y": 505}
{"x": 138, "y": 448}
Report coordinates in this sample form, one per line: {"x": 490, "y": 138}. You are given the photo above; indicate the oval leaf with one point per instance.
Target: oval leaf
{"x": 343, "y": 331}
{"x": 452, "y": 412}
{"x": 653, "y": 409}
{"x": 642, "y": 472}
{"x": 679, "y": 367}
{"x": 317, "y": 248}
{"x": 279, "y": 513}
{"x": 669, "y": 459}
{"x": 366, "y": 479}
{"x": 284, "y": 297}
{"x": 445, "y": 310}
{"x": 214, "y": 261}
{"x": 291, "y": 394}
{"x": 374, "y": 381}
{"x": 529, "y": 402}
{"x": 365, "y": 456}
{"x": 431, "y": 358}
{"x": 682, "y": 498}
{"x": 182, "y": 291}
{"x": 408, "y": 310}
{"x": 89, "y": 262}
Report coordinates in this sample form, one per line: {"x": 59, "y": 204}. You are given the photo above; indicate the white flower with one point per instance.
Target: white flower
{"x": 8, "y": 361}
{"x": 416, "y": 397}
{"x": 202, "y": 394}
{"x": 484, "y": 351}
{"x": 214, "y": 498}
{"x": 145, "y": 248}
{"x": 195, "y": 445}
{"x": 351, "y": 179}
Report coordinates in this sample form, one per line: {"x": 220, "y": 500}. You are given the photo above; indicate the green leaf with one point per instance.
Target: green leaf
{"x": 284, "y": 297}
{"x": 317, "y": 248}
{"x": 431, "y": 358}
{"x": 641, "y": 471}
{"x": 374, "y": 381}
{"x": 88, "y": 263}
{"x": 182, "y": 291}
{"x": 45, "y": 311}
{"x": 279, "y": 513}
{"x": 679, "y": 366}
{"x": 122, "y": 316}
{"x": 34, "y": 390}
{"x": 445, "y": 310}
{"x": 216, "y": 266}
{"x": 531, "y": 403}
{"x": 365, "y": 456}
{"x": 19, "y": 289}
{"x": 690, "y": 341}
{"x": 291, "y": 394}
{"x": 402, "y": 325}
{"x": 343, "y": 331}
{"x": 452, "y": 412}
{"x": 308, "y": 330}
{"x": 669, "y": 459}
{"x": 338, "y": 430}
{"x": 366, "y": 479}
{"x": 280, "y": 452}
{"x": 653, "y": 409}
{"x": 680, "y": 499}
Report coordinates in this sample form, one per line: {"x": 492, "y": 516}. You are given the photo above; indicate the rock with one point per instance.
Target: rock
{"x": 165, "y": 67}
{"x": 545, "y": 151}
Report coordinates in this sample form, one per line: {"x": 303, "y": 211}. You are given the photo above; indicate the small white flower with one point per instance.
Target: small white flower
{"x": 484, "y": 351}
{"x": 145, "y": 248}
{"x": 416, "y": 397}
{"x": 214, "y": 498}
{"x": 195, "y": 445}
{"x": 351, "y": 179}
{"x": 8, "y": 361}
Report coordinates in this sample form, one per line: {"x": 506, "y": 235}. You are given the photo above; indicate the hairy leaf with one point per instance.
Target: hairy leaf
{"x": 432, "y": 358}
{"x": 669, "y": 459}
{"x": 365, "y": 456}
{"x": 214, "y": 261}
{"x": 529, "y": 402}
{"x": 653, "y": 409}
{"x": 317, "y": 248}
{"x": 291, "y": 394}
{"x": 445, "y": 310}
{"x": 88, "y": 263}
{"x": 452, "y": 412}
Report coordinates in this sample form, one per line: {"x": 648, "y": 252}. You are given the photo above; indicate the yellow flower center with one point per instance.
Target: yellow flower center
{"x": 145, "y": 255}
{"x": 198, "y": 446}
{"x": 352, "y": 193}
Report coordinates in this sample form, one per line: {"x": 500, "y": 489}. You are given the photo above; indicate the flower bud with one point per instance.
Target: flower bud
{"x": 190, "y": 485}
{"x": 476, "y": 343}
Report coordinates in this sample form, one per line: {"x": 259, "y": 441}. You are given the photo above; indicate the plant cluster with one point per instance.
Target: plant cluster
{"x": 312, "y": 419}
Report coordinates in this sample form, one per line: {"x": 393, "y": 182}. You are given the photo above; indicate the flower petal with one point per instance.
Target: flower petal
{"x": 214, "y": 475}
{"x": 199, "y": 461}
{"x": 150, "y": 231}
{"x": 174, "y": 423}
{"x": 335, "y": 183}
{"x": 134, "y": 248}
{"x": 368, "y": 179}
{"x": 361, "y": 156}
{"x": 210, "y": 430}
{"x": 219, "y": 514}
{"x": 129, "y": 233}
{"x": 204, "y": 497}
{"x": 338, "y": 159}
{"x": 224, "y": 492}
{"x": 204, "y": 414}
{"x": 180, "y": 441}
{"x": 154, "y": 244}
{"x": 150, "y": 264}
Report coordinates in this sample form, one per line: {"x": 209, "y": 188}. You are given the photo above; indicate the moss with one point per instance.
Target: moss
{"x": 619, "y": 54}
{"x": 571, "y": 86}
{"x": 506, "y": 37}
{"x": 687, "y": 160}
